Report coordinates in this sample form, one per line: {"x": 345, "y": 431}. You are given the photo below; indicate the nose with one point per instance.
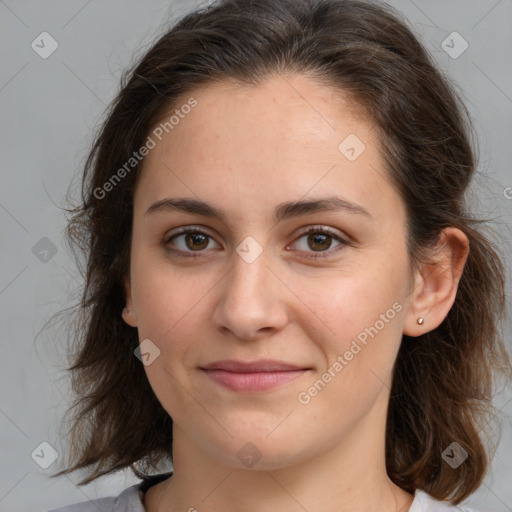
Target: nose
{"x": 252, "y": 300}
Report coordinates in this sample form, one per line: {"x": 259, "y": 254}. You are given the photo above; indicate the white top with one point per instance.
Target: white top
{"x": 130, "y": 500}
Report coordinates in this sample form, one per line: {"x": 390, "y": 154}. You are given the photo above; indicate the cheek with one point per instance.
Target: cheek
{"x": 358, "y": 357}
{"x": 364, "y": 313}
{"x": 349, "y": 303}
{"x": 165, "y": 315}
{"x": 164, "y": 297}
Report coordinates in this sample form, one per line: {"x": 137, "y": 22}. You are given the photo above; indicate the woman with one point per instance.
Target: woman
{"x": 286, "y": 295}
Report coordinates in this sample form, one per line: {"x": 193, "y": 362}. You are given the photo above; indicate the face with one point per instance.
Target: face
{"x": 269, "y": 324}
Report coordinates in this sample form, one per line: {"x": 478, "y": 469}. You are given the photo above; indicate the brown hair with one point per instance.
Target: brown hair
{"x": 443, "y": 380}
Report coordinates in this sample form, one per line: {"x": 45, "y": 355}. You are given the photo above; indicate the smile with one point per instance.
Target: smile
{"x": 250, "y": 377}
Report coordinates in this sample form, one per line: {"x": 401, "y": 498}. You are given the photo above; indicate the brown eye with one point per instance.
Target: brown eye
{"x": 319, "y": 240}
{"x": 189, "y": 240}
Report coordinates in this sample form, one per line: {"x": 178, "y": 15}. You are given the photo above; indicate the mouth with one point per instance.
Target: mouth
{"x": 253, "y": 376}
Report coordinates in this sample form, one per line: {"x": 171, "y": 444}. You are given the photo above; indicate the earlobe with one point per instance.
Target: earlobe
{"x": 437, "y": 283}
{"x": 128, "y": 314}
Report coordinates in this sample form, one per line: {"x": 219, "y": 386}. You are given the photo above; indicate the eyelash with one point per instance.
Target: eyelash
{"x": 310, "y": 230}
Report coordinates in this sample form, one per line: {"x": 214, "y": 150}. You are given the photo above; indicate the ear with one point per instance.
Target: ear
{"x": 436, "y": 283}
{"x": 129, "y": 317}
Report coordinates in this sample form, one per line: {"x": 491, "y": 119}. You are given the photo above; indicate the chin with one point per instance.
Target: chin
{"x": 255, "y": 451}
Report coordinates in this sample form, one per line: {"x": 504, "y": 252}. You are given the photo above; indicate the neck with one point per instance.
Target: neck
{"x": 350, "y": 477}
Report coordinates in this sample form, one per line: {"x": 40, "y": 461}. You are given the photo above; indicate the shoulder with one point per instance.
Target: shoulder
{"x": 423, "y": 502}
{"x": 129, "y": 500}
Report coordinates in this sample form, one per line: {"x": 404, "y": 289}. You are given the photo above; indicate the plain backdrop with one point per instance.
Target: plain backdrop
{"x": 50, "y": 108}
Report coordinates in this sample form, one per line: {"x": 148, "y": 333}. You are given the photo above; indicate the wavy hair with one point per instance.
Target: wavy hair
{"x": 444, "y": 380}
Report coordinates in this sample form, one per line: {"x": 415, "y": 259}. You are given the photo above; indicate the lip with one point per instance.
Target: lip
{"x": 253, "y": 376}
{"x": 261, "y": 365}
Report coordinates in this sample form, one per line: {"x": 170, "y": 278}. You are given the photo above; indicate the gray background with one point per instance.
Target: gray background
{"x": 50, "y": 108}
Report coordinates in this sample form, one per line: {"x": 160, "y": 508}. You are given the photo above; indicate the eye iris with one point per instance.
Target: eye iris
{"x": 317, "y": 238}
{"x": 193, "y": 241}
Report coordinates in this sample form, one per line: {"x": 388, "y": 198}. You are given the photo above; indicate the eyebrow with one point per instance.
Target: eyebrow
{"x": 282, "y": 212}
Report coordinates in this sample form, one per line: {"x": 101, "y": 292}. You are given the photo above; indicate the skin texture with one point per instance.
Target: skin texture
{"x": 246, "y": 150}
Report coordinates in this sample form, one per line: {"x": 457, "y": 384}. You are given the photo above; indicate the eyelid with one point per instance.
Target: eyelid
{"x": 325, "y": 229}
{"x": 197, "y": 228}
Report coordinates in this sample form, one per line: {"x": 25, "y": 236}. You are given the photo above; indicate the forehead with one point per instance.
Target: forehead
{"x": 297, "y": 107}
{"x": 288, "y": 135}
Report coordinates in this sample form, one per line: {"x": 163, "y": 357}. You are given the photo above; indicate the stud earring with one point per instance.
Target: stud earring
{"x": 420, "y": 320}
{"x": 126, "y": 311}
